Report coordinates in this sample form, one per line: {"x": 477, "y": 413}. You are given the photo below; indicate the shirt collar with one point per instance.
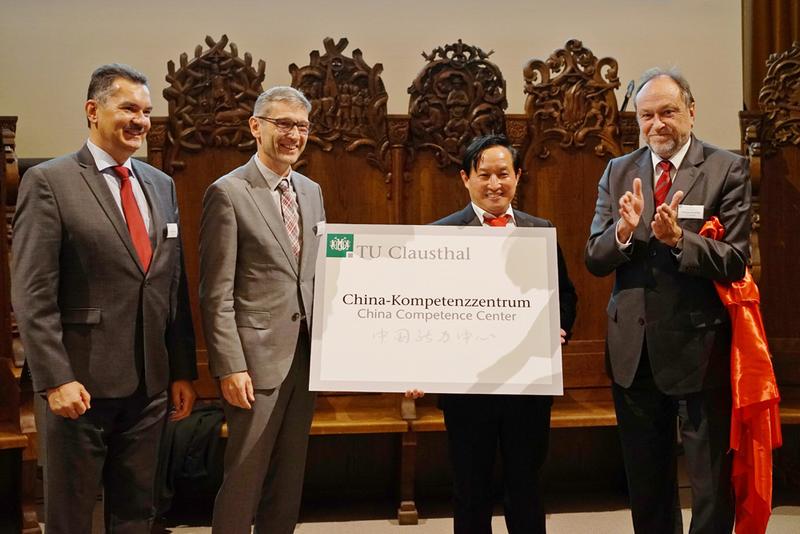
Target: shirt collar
{"x": 676, "y": 158}
{"x": 480, "y": 212}
{"x": 103, "y": 159}
{"x": 272, "y": 178}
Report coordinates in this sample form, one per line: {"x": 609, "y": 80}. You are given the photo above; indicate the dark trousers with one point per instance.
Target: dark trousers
{"x": 647, "y": 428}
{"x": 476, "y": 424}
{"x": 114, "y": 443}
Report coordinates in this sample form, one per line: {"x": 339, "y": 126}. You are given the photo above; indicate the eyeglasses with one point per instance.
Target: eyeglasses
{"x": 285, "y": 126}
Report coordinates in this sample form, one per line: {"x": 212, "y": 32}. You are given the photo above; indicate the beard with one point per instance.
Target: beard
{"x": 664, "y": 146}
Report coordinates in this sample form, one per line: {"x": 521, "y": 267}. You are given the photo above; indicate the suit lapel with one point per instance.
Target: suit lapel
{"x": 521, "y": 219}
{"x": 157, "y": 224}
{"x": 468, "y": 217}
{"x": 99, "y": 187}
{"x": 262, "y": 197}
{"x": 689, "y": 172}
{"x": 307, "y": 222}
{"x": 643, "y": 171}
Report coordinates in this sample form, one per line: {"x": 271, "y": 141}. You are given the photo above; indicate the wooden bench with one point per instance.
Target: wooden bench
{"x": 586, "y": 403}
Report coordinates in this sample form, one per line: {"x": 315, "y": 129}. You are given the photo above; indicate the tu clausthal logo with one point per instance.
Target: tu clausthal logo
{"x": 340, "y": 245}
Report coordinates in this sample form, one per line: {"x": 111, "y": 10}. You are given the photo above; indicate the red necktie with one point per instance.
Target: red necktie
{"x": 663, "y": 183}
{"x": 497, "y": 221}
{"x": 133, "y": 217}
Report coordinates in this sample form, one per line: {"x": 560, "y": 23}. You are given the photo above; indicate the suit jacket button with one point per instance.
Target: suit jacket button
{"x": 295, "y": 316}
{"x": 641, "y": 321}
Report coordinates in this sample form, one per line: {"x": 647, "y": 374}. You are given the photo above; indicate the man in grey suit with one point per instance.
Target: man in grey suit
{"x": 258, "y": 247}
{"x": 668, "y": 343}
{"x": 100, "y": 297}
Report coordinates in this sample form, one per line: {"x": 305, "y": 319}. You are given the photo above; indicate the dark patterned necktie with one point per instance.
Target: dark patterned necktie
{"x": 291, "y": 218}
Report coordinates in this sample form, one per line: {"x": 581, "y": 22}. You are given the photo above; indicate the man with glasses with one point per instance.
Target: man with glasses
{"x": 258, "y": 243}
{"x": 669, "y": 336}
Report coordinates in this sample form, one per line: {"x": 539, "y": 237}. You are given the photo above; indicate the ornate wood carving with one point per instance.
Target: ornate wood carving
{"x": 348, "y": 101}
{"x": 8, "y": 129}
{"x": 751, "y": 126}
{"x": 8, "y": 126}
{"x": 779, "y": 99}
{"x": 458, "y": 95}
{"x": 571, "y": 100}
{"x": 210, "y": 99}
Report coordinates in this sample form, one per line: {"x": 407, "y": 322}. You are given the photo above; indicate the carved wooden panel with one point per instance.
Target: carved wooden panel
{"x": 8, "y": 127}
{"x": 7, "y": 169}
{"x": 772, "y": 140}
{"x": 348, "y": 101}
{"x": 779, "y": 98}
{"x": 458, "y": 95}
{"x": 210, "y": 99}
{"x": 571, "y": 100}
{"x": 573, "y": 130}
{"x": 348, "y": 151}
{"x": 205, "y": 136}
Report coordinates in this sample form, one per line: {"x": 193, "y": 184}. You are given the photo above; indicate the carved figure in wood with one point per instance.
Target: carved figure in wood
{"x": 210, "y": 99}
{"x": 779, "y": 99}
{"x": 457, "y": 96}
{"x": 571, "y": 100}
{"x": 348, "y": 101}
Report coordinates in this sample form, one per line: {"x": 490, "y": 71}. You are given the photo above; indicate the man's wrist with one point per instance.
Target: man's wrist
{"x": 678, "y": 246}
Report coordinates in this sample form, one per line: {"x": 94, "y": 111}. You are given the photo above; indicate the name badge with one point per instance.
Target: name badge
{"x": 690, "y": 211}
{"x": 172, "y": 230}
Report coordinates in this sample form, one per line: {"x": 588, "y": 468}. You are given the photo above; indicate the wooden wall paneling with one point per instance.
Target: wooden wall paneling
{"x": 205, "y": 136}
{"x": 18, "y": 439}
{"x": 348, "y": 151}
{"x": 574, "y": 129}
{"x": 771, "y": 138}
{"x": 8, "y": 175}
{"x": 458, "y": 95}
{"x": 768, "y": 27}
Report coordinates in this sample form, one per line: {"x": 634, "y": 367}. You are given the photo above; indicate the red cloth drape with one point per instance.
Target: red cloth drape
{"x": 755, "y": 422}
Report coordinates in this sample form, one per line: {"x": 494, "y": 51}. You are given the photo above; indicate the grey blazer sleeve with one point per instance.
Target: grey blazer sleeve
{"x": 218, "y": 253}
{"x": 602, "y": 255}
{"x": 723, "y": 260}
{"x": 35, "y": 279}
{"x": 179, "y": 336}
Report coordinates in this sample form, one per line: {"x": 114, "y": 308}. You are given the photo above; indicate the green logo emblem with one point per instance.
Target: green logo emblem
{"x": 340, "y": 245}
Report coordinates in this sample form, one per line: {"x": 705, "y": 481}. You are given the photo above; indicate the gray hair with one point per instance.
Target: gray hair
{"x": 674, "y": 75}
{"x": 280, "y": 93}
{"x": 103, "y": 78}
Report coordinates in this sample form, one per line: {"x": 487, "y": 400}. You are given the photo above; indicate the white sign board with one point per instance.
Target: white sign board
{"x": 442, "y": 309}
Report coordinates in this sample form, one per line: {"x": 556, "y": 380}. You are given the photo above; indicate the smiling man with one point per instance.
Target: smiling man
{"x": 518, "y": 424}
{"x": 668, "y": 342}
{"x": 100, "y": 298}
{"x": 258, "y": 247}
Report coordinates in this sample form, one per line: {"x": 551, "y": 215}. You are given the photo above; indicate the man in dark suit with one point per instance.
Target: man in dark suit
{"x": 520, "y": 424}
{"x": 100, "y": 297}
{"x": 258, "y": 248}
{"x": 668, "y": 343}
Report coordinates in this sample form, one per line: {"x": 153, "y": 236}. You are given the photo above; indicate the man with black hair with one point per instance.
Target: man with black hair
{"x": 476, "y": 423}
